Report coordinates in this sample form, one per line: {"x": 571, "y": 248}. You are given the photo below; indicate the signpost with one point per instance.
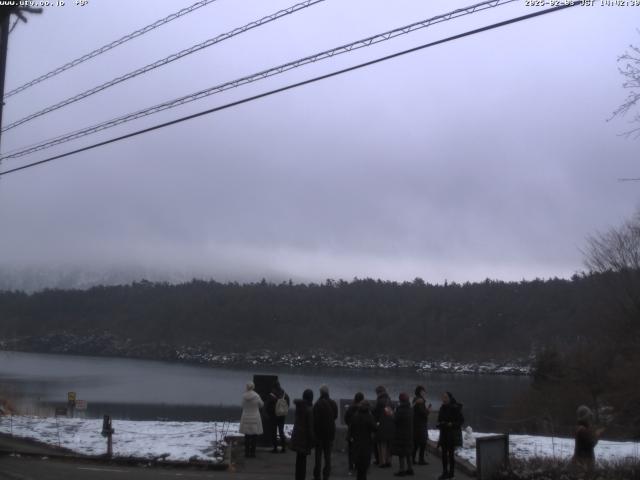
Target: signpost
{"x": 108, "y": 431}
{"x": 81, "y": 405}
{"x": 71, "y": 402}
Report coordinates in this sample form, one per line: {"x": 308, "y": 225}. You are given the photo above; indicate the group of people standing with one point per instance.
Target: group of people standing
{"x": 377, "y": 430}
{"x": 383, "y": 431}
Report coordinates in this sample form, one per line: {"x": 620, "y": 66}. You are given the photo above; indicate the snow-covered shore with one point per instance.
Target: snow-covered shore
{"x": 205, "y": 441}
{"x": 172, "y": 441}
{"x": 109, "y": 345}
{"x": 534, "y": 446}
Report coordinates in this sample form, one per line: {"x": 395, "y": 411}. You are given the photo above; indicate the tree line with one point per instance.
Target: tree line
{"x": 415, "y": 320}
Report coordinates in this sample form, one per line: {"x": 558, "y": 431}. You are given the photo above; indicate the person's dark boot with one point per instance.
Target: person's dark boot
{"x": 444, "y": 476}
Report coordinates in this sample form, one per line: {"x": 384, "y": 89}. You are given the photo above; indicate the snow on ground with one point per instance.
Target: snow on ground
{"x": 179, "y": 441}
{"x": 527, "y": 446}
{"x": 204, "y": 441}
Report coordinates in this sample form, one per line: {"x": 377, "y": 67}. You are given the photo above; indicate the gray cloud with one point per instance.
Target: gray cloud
{"x": 486, "y": 157}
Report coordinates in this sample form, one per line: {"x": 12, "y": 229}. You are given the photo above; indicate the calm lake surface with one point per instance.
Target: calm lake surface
{"x": 142, "y": 389}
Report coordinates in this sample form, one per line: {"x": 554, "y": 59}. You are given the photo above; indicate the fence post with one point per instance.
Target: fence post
{"x": 107, "y": 431}
{"x": 58, "y": 428}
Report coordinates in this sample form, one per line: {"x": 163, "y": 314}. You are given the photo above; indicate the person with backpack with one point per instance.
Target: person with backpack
{"x": 277, "y": 409}
{"x": 450, "y": 422}
{"x": 325, "y": 413}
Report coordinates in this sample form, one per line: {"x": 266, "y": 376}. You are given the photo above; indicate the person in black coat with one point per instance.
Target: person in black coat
{"x": 383, "y": 414}
{"x": 348, "y": 417}
{"x": 402, "y": 445}
{"x": 277, "y": 394}
{"x": 420, "y": 421}
{"x": 325, "y": 413}
{"x": 303, "y": 436}
{"x": 362, "y": 426}
{"x": 450, "y": 422}
{"x": 586, "y": 439}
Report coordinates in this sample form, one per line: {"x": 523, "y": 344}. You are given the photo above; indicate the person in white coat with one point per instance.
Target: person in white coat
{"x": 250, "y": 421}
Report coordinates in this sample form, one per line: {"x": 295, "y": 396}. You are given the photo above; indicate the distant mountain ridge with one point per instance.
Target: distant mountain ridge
{"x": 34, "y": 279}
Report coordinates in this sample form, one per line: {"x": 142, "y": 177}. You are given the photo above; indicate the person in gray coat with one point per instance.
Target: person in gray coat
{"x": 250, "y": 421}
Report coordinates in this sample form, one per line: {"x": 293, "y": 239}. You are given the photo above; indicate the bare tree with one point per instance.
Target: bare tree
{"x": 629, "y": 68}
{"x": 615, "y": 256}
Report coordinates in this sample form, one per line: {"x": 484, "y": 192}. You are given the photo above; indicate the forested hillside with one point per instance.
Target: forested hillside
{"x": 369, "y": 317}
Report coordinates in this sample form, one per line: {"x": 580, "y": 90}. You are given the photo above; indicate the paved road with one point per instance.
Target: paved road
{"x": 266, "y": 466}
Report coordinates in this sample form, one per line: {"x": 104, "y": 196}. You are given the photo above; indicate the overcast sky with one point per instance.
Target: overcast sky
{"x": 489, "y": 156}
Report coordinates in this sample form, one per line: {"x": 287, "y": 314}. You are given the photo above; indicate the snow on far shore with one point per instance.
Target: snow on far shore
{"x": 529, "y": 446}
{"x": 204, "y": 441}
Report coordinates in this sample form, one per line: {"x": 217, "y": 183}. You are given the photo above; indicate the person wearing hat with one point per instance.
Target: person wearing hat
{"x": 402, "y": 444}
{"x": 450, "y": 422}
{"x": 586, "y": 439}
{"x": 250, "y": 421}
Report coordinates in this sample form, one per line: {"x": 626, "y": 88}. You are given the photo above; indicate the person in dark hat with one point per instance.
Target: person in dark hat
{"x": 450, "y": 422}
{"x": 303, "y": 436}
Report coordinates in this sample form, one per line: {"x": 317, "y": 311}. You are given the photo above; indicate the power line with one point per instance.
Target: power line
{"x": 165, "y": 61}
{"x": 294, "y": 85}
{"x": 366, "y": 42}
{"x": 109, "y": 46}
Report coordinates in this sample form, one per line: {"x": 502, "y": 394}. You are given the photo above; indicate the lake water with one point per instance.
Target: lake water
{"x": 142, "y": 389}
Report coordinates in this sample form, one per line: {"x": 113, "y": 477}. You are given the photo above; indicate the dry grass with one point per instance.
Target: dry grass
{"x": 551, "y": 469}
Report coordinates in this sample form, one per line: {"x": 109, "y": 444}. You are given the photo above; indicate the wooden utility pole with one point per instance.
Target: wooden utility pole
{"x": 5, "y": 18}
{"x": 4, "y": 39}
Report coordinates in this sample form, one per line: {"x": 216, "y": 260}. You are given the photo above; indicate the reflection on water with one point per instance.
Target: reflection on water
{"x": 141, "y": 389}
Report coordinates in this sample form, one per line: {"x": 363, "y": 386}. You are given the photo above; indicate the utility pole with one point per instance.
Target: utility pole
{"x": 5, "y": 19}
{"x": 4, "y": 39}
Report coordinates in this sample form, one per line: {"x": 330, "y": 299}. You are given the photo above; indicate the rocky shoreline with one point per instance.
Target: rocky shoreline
{"x": 108, "y": 345}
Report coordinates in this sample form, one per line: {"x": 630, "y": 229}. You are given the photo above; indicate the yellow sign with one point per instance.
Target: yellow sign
{"x": 71, "y": 396}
